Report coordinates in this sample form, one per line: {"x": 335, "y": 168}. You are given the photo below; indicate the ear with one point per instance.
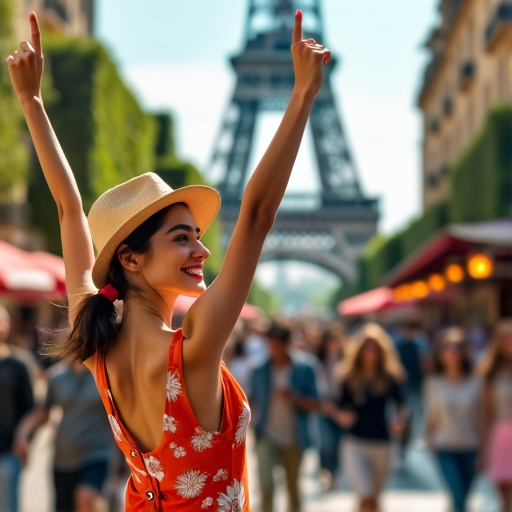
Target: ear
{"x": 128, "y": 259}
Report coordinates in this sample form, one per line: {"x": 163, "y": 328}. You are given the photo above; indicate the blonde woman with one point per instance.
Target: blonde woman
{"x": 370, "y": 382}
{"x": 176, "y": 412}
{"x": 496, "y": 370}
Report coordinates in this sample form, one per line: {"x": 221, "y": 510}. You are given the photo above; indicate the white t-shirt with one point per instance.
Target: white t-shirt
{"x": 453, "y": 409}
{"x": 281, "y": 424}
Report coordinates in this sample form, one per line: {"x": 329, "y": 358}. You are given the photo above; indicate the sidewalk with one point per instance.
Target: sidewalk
{"x": 416, "y": 489}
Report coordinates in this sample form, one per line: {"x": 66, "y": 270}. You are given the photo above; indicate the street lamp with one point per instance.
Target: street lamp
{"x": 454, "y": 273}
{"x": 480, "y": 265}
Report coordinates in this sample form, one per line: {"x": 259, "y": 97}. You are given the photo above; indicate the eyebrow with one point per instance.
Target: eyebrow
{"x": 184, "y": 227}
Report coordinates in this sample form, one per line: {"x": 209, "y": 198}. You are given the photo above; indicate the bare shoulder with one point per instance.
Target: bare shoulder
{"x": 90, "y": 363}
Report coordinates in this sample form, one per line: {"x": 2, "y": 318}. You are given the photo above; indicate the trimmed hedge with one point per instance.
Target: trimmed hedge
{"x": 482, "y": 177}
{"x": 481, "y": 182}
{"x": 106, "y": 136}
{"x": 14, "y": 160}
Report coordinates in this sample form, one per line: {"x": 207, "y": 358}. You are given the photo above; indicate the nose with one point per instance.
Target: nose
{"x": 200, "y": 251}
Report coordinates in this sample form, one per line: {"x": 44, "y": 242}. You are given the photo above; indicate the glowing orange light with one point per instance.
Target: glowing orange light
{"x": 480, "y": 266}
{"x": 454, "y": 273}
{"x": 420, "y": 289}
{"x": 403, "y": 293}
{"x": 437, "y": 282}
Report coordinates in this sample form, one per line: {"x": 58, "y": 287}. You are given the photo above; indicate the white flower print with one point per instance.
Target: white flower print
{"x": 202, "y": 440}
{"x": 234, "y": 499}
{"x": 243, "y": 423}
{"x": 173, "y": 388}
{"x": 116, "y": 429}
{"x": 179, "y": 451}
{"x": 207, "y": 502}
{"x": 190, "y": 484}
{"x": 170, "y": 424}
{"x": 154, "y": 467}
{"x": 143, "y": 473}
{"x": 222, "y": 474}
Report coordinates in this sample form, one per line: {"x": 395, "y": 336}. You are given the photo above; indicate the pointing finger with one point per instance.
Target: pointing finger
{"x": 35, "y": 34}
{"x": 297, "y": 28}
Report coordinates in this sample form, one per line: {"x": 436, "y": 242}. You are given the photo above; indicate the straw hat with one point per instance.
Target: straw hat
{"x": 120, "y": 210}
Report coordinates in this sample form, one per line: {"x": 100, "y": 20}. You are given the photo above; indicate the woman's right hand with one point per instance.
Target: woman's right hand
{"x": 26, "y": 65}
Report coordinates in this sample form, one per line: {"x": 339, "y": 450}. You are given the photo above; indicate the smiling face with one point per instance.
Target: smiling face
{"x": 174, "y": 263}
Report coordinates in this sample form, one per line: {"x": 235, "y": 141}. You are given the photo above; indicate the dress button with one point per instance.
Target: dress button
{"x": 134, "y": 454}
{"x": 150, "y": 495}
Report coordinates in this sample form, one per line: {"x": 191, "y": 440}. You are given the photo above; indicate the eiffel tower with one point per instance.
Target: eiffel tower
{"x": 330, "y": 228}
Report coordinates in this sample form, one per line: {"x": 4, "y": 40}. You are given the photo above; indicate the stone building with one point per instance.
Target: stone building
{"x": 72, "y": 17}
{"x": 470, "y": 71}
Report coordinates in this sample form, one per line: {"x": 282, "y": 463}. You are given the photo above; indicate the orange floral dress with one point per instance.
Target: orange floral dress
{"x": 191, "y": 469}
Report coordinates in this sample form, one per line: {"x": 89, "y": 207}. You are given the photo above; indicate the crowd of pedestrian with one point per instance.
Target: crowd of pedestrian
{"x": 362, "y": 396}
{"x": 357, "y": 396}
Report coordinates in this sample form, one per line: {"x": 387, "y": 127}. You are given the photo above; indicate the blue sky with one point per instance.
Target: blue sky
{"x": 174, "y": 55}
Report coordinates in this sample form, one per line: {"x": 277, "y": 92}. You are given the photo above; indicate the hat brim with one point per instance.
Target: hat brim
{"x": 203, "y": 202}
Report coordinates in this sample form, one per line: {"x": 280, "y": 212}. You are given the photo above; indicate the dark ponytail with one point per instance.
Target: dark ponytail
{"x": 98, "y": 321}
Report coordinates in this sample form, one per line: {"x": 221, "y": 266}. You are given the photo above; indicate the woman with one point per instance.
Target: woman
{"x": 177, "y": 414}
{"x": 496, "y": 370}
{"x": 453, "y": 399}
{"x": 370, "y": 376}
{"x": 84, "y": 447}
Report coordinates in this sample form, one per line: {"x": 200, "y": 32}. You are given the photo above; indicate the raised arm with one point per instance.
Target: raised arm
{"x": 212, "y": 317}
{"x": 26, "y": 69}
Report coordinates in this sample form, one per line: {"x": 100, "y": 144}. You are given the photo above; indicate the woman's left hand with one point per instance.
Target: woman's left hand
{"x": 308, "y": 60}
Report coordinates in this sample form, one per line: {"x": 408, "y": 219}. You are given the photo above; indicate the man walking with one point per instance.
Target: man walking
{"x": 283, "y": 394}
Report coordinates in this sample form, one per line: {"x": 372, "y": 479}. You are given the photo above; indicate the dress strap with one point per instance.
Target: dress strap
{"x": 175, "y": 351}
{"x": 102, "y": 383}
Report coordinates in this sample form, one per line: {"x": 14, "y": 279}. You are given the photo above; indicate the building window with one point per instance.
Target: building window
{"x": 58, "y": 8}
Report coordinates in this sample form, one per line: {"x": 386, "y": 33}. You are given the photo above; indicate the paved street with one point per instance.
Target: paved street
{"x": 414, "y": 488}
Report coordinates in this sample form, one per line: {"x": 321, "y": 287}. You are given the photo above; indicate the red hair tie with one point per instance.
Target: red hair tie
{"x": 110, "y": 292}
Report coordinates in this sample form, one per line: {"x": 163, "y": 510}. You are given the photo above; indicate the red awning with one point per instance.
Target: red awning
{"x": 368, "y": 302}
{"x": 452, "y": 242}
{"x": 30, "y": 276}
{"x": 183, "y": 303}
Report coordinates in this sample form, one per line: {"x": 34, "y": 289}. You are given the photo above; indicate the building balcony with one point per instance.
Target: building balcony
{"x": 435, "y": 178}
{"x": 447, "y": 106}
{"x": 434, "y": 126}
{"x": 499, "y": 25}
{"x": 55, "y": 15}
{"x": 432, "y": 180}
{"x": 467, "y": 75}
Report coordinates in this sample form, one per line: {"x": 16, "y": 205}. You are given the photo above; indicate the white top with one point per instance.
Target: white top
{"x": 281, "y": 423}
{"x": 452, "y": 410}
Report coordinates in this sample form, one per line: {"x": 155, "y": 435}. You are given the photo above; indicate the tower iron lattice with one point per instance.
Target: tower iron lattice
{"x": 330, "y": 229}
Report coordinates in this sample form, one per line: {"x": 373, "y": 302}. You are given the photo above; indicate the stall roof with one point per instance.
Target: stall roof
{"x": 367, "y": 302}
{"x": 454, "y": 240}
{"x": 30, "y": 276}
